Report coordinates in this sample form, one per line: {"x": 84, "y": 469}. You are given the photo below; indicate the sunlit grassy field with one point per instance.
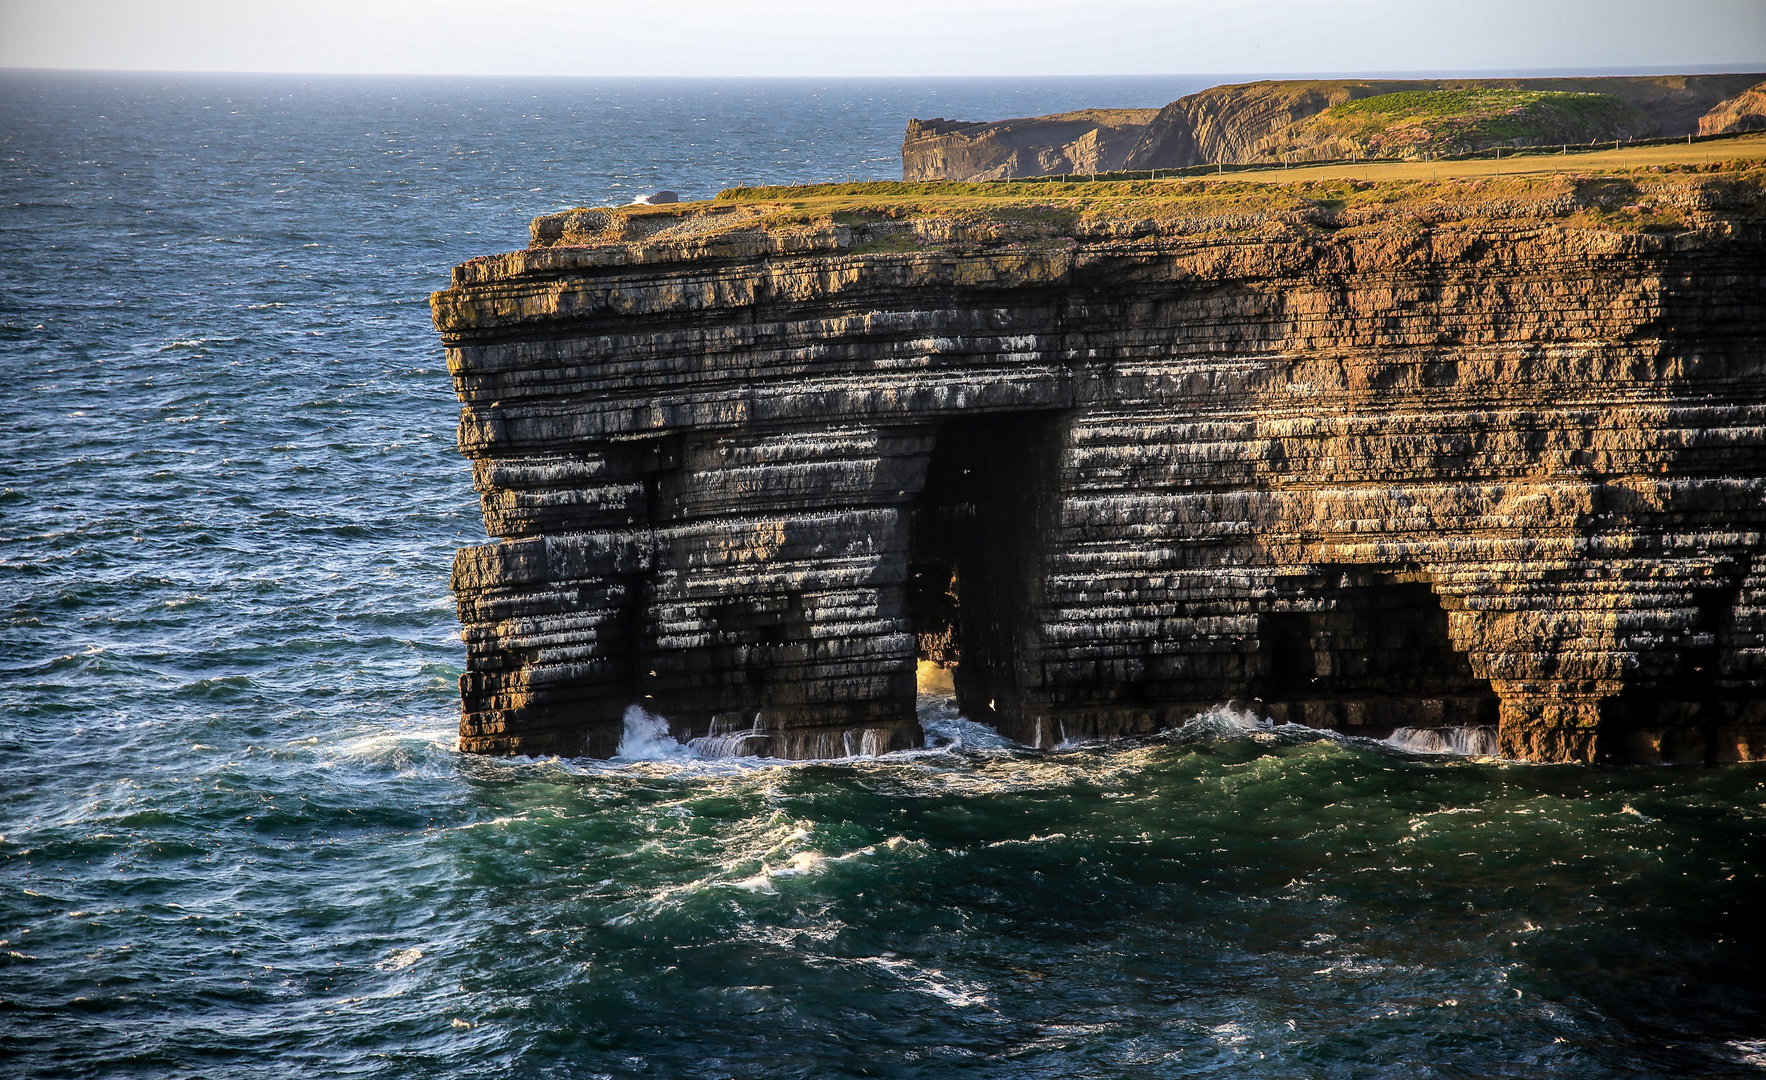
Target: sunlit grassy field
{"x": 1748, "y": 147}
{"x": 1609, "y": 186}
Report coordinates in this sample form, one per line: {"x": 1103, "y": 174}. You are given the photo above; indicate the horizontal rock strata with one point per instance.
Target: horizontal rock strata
{"x": 1366, "y": 466}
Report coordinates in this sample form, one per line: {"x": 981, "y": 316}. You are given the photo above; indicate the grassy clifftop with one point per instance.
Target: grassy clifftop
{"x": 1429, "y": 123}
{"x": 1240, "y": 123}
{"x": 884, "y": 217}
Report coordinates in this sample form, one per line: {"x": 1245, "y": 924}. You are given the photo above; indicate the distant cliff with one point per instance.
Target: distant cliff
{"x": 1745, "y": 111}
{"x": 1087, "y": 141}
{"x": 1252, "y": 122}
{"x": 1359, "y": 456}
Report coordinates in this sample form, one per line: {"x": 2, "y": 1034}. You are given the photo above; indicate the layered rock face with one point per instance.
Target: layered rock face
{"x": 1745, "y": 111}
{"x": 1248, "y": 123}
{"x": 1417, "y": 456}
{"x": 1087, "y": 141}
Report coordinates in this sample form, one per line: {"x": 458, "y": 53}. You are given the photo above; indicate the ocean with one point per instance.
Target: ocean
{"x": 236, "y": 840}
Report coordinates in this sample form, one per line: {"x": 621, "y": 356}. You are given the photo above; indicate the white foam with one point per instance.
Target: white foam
{"x": 960, "y": 732}
{"x": 401, "y": 959}
{"x": 1478, "y": 741}
{"x": 932, "y": 981}
{"x": 646, "y": 738}
{"x": 728, "y": 744}
{"x": 1232, "y": 721}
{"x": 947, "y": 729}
{"x": 407, "y": 749}
{"x": 872, "y": 742}
{"x": 1231, "y": 717}
{"x": 800, "y": 864}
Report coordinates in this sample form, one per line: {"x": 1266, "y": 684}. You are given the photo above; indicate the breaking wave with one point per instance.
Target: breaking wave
{"x": 1479, "y": 741}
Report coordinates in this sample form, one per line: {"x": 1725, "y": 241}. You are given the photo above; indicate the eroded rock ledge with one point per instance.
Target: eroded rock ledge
{"x": 1356, "y": 456}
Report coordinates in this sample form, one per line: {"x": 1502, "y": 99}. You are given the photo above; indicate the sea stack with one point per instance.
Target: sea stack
{"x": 1456, "y": 453}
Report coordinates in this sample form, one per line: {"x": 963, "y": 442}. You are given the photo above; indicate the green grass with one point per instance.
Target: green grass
{"x": 1429, "y": 123}
{"x": 1471, "y": 102}
{"x": 1014, "y": 217}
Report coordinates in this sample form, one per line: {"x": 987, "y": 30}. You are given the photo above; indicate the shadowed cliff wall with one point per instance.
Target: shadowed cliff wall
{"x": 1405, "y": 461}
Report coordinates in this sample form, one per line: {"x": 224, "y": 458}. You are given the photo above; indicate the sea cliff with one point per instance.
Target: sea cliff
{"x": 1456, "y": 453}
{"x": 1086, "y": 141}
{"x": 1294, "y": 120}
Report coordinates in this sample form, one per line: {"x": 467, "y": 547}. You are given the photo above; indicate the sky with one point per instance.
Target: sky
{"x": 885, "y": 37}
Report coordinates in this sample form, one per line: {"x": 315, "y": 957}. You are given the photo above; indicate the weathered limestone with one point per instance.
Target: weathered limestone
{"x": 1407, "y": 461}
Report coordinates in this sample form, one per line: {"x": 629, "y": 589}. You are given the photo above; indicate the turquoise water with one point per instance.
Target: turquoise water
{"x": 235, "y": 839}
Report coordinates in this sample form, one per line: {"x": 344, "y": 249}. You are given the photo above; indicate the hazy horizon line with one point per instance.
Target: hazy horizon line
{"x": 1614, "y": 71}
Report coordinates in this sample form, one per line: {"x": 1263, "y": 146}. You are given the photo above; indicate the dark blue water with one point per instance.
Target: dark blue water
{"x": 235, "y": 839}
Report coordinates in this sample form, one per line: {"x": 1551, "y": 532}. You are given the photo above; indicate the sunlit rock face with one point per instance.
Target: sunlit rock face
{"x": 1745, "y": 111}
{"x": 1450, "y": 458}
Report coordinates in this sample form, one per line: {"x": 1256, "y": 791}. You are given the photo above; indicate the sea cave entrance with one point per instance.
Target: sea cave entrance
{"x": 1366, "y": 650}
{"x": 978, "y": 533}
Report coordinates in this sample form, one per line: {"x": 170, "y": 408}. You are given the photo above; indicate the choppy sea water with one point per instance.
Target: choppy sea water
{"x": 235, "y": 839}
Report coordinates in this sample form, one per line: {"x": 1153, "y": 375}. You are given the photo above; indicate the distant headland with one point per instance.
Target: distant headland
{"x": 1290, "y": 122}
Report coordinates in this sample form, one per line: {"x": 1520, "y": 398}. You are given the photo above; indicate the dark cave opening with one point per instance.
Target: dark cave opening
{"x": 655, "y": 463}
{"x": 1678, "y": 710}
{"x": 1366, "y": 650}
{"x": 977, "y": 533}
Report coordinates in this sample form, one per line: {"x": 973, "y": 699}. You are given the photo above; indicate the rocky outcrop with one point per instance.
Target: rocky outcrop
{"x": 1745, "y": 111}
{"x": 1083, "y": 142}
{"x": 1249, "y": 123}
{"x": 1439, "y": 454}
{"x": 1228, "y": 124}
